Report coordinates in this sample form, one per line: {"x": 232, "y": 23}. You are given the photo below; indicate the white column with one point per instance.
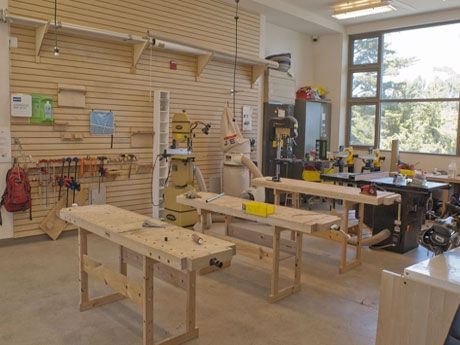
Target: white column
{"x": 6, "y": 230}
{"x": 260, "y": 114}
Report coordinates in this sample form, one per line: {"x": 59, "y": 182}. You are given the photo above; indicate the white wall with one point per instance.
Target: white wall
{"x": 7, "y": 229}
{"x": 330, "y": 56}
{"x": 281, "y": 40}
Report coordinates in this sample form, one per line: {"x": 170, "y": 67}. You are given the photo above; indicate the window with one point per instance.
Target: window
{"x": 405, "y": 85}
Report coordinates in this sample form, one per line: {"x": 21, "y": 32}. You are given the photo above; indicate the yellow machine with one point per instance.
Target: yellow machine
{"x": 345, "y": 158}
{"x": 378, "y": 159}
{"x": 372, "y": 161}
{"x": 181, "y": 170}
{"x": 350, "y": 160}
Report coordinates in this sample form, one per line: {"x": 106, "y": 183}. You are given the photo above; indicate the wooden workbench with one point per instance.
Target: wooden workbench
{"x": 349, "y": 196}
{"x": 417, "y": 307}
{"x": 165, "y": 251}
{"x": 285, "y": 218}
{"x": 455, "y": 182}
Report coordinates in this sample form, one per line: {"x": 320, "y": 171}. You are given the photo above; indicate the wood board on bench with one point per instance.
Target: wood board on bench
{"x": 284, "y": 217}
{"x": 351, "y": 194}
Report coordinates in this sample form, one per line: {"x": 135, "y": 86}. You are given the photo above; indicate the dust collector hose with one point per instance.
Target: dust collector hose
{"x": 200, "y": 179}
{"x": 370, "y": 241}
{"x": 251, "y": 166}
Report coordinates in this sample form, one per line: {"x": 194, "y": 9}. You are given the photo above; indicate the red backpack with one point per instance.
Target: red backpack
{"x": 17, "y": 195}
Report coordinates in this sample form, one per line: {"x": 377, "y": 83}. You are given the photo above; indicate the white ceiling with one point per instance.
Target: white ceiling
{"x": 314, "y": 16}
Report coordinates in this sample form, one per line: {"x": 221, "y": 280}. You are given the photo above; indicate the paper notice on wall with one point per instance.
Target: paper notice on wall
{"x": 21, "y": 105}
{"x": 5, "y": 145}
{"x": 247, "y": 118}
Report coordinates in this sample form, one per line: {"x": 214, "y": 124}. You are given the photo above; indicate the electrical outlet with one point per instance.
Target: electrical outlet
{"x": 13, "y": 42}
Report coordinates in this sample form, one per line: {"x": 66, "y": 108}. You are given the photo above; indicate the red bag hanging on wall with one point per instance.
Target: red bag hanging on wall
{"x": 17, "y": 195}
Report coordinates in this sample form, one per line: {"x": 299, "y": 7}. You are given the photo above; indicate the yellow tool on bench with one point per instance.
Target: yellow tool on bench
{"x": 258, "y": 208}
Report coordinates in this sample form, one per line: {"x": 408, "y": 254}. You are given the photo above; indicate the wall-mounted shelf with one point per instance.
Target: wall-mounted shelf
{"x": 139, "y": 44}
{"x": 141, "y": 138}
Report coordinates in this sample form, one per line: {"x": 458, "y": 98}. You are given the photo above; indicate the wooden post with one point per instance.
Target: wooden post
{"x": 83, "y": 250}
{"x": 228, "y": 220}
{"x": 360, "y": 232}
{"x": 344, "y": 228}
{"x": 190, "y": 316}
{"x": 394, "y": 155}
{"x": 445, "y": 200}
{"x": 298, "y": 260}
{"x": 276, "y": 197}
{"x": 123, "y": 264}
{"x": 148, "y": 300}
{"x": 276, "y": 262}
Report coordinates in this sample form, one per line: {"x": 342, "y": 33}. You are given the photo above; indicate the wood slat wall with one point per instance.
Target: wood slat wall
{"x": 104, "y": 68}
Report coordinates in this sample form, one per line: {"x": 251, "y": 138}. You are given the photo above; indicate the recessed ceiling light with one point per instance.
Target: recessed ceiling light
{"x": 360, "y": 8}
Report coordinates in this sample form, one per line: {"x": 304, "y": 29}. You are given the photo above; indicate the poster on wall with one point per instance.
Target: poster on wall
{"x": 21, "y": 105}
{"x": 42, "y": 110}
{"x": 102, "y": 122}
{"x": 247, "y": 118}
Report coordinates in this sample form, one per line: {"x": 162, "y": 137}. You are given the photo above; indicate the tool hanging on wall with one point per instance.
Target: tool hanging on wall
{"x": 60, "y": 179}
{"x": 67, "y": 181}
{"x": 75, "y": 186}
{"x": 131, "y": 160}
{"x": 102, "y": 171}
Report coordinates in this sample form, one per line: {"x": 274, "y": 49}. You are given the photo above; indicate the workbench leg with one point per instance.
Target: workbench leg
{"x": 83, "y": 250}
{"x": 295, "y": 204}
{"x": 445, "y": 200}
{"x": 190, "y": 316}
{"x": 275, "y": 293}
{"x": 228, "y": 220}
{"x": 275, "y": 263}
{"x": 203, "y": 220}
{"x": 359, "y": 251}
{"x": 276, "y": 196}
{"x": 344, "y": 227}
{"x": 123, "y": 264}
{"x": 148, "y": 268}
{"x": 298, "y": 261}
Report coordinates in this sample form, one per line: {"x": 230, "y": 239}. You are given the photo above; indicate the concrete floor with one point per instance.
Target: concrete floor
{"x": 39, "y": 299}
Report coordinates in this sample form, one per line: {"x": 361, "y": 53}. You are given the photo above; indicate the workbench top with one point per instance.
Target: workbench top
{"x": 351, "y": 194}
{"x": 427, "y": 186}
{"x": 442, "y": 271}
{"x": 284, "y": 217}
{"x": 167, "y": 243}
{"x": 443, "y": 178}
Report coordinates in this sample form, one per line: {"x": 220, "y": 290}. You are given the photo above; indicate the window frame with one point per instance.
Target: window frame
{"x": 377, "y": 100}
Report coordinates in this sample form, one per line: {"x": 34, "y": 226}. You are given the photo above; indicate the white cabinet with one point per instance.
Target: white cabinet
{"x": 160, "y": 143}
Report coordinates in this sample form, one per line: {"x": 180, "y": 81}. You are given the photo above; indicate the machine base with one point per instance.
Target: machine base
{"x": 188, "y": 218}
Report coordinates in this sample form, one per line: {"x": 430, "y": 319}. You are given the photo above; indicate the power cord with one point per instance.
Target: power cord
{"x": 236, "y": 58}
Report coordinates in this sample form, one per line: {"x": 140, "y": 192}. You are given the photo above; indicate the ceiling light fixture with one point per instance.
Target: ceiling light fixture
{"x": 360, "y": 8}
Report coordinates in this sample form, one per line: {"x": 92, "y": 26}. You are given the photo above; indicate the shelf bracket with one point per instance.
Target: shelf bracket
{"x": 201, "y": 63}
{"x": 257, "y": 72}
{"x": 138, "y": 49}
{"x": 40, "y": 33}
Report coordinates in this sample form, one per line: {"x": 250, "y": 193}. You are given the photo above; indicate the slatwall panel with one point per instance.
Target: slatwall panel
{"x": 104, "y": 68}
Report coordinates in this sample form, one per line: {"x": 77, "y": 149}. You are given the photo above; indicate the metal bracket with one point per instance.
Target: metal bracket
{"x": 4, "y": 16}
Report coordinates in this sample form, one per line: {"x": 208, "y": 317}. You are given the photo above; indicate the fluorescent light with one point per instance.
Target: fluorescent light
{"x": 360, "y": 8}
